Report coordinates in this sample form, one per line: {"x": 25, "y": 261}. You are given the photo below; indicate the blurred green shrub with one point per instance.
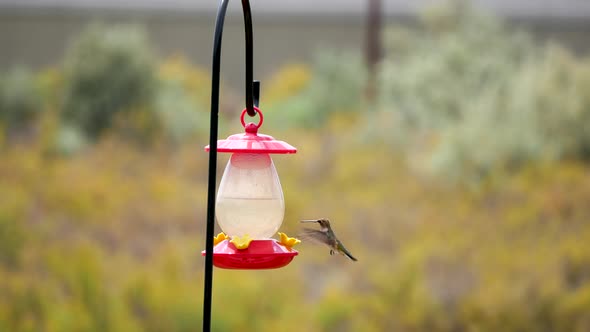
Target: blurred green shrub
{"x": 176, "y": 111}
{"x": 336, "y": 85}
{"x": 108, "y": 71}
{"x": 70, "y": 139}
{"x": 183, "y": 92}
{"x": 20, "y": 101}
{"x": 464, "y": 95}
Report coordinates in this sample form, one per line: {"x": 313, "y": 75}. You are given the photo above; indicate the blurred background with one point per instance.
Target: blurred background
{"x": 448, "y": 142}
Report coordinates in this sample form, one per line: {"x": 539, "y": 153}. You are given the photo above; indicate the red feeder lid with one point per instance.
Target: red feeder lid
{"x": 251, "y": 141}
{"x": 260, "y": 254}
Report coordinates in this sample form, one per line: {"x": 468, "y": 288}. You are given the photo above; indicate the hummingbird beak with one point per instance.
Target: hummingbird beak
{"x": 309, "y": 220}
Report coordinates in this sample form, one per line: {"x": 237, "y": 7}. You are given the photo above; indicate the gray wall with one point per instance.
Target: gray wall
{"x": 39, "y": 39}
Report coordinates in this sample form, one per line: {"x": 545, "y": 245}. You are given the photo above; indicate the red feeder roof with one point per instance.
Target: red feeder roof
{"x": 251, "y": 141}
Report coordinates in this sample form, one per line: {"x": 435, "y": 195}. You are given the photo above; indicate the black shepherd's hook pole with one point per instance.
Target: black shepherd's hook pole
{"x": 252, "y": 97}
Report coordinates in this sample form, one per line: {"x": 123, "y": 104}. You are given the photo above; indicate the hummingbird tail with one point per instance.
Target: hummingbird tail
{"x": 345, "y": 252}
{"x": 350, "y": 256}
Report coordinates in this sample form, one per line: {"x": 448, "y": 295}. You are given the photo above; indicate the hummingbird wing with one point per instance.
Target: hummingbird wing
{"x": 314, "y": 236}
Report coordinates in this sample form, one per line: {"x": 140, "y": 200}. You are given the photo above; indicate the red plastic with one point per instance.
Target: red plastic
{"x": 251, "y": 141}
{"x": 260, "y": 254}
{"x": 259, "y": 114}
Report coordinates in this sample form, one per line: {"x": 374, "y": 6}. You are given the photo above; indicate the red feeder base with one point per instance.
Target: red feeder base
{"x": 260, "y": 254}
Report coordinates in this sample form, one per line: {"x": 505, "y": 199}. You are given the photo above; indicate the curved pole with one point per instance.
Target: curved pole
{"x": 249, "y": 57}
{"x": 252, "y": 90}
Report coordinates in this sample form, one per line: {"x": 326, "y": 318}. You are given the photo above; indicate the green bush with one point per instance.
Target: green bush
{"x": 177, "y": 113}
{"x": 183, "y": 92}
{"x": 20, "y": 102}
{"x": 336, "y": 85}
{"x": 465, "y": 95}
{"x": 108, "y": 71}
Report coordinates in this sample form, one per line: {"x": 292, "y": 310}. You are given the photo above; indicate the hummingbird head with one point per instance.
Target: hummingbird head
{"x": 324, "y": 223}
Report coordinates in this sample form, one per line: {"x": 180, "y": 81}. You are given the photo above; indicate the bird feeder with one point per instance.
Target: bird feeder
{"x": 250, "y": 206}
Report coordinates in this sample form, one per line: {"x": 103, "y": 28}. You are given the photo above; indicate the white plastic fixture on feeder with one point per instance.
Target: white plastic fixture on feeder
{"x": 250, "y": 199}
{"x": 250, "y": 205}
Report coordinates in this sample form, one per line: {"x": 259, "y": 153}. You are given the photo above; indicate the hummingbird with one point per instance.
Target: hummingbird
{"x": 326, "y": 236}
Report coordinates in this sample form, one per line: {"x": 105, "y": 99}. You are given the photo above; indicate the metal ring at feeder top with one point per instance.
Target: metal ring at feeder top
{"x": 256, "y": 126}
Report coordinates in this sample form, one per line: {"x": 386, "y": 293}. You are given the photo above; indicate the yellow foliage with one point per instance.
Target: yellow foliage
{"x": 110, "y": 240}
{"x": 286, "y": 82}
{"x": 196, "y": 81}
{"x": 117, "y": 228}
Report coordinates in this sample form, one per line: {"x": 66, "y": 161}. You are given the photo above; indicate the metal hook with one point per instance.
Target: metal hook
{"x": 256, "y": 92}
{"x": 249, "y": 58}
